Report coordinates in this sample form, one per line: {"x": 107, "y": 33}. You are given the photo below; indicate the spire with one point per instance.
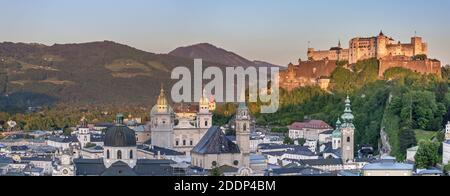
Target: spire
{"x": 347, "y": 117}
{"x": 83, "y": 122}
{"x": 339, "y": 44}
{"x": 162, "y": 97}
{"x": 381, "y": 33}
{"x": 338, "y": 123}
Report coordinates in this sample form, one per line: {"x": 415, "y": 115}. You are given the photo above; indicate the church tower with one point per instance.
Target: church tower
{"x": 83, "y": 135}
{"x": 162, "y": 122}
{"x": 204, "y": 116}
{"x": 337, "y": 136}
{"x": 243, "y": 133}
{"x": 348, "y": 133}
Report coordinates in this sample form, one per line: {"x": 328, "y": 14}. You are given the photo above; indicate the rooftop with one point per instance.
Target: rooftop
{"x": 215, "y": 142}
{"x": 311, "y": 124}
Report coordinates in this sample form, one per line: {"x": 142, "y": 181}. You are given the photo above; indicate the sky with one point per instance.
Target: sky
{"x": 277, "y": 31}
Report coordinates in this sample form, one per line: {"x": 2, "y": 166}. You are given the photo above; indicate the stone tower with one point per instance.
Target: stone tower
{"x": 382, "y": 42}
{"x": 243, "y": 133}
{"x": 204, "y": 116}
{"x": 162, "y": 122}
{"x": 84, "y": 134}
{"x": 348, "y": 133}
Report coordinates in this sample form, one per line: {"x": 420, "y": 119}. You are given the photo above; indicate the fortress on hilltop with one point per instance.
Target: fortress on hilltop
{"x": 320, "y": 65}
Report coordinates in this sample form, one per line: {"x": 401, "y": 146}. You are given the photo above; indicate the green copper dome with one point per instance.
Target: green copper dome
{"x": 348, "y": 117}
{"x": 337, "y": 132}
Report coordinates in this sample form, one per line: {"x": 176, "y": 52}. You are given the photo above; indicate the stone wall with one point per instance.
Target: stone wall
{"x": 423, "y": 67}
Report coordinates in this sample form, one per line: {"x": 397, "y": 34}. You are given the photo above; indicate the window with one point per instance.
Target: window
{"x": 107, "y": 154}
{"x": 192, "y": 143}
{"x": 131, "y": 154}
{"x": 177, "y": 143}
{"x": 236, "y": 163}
{"x": 206, "y": 123}
{"x": 184, "y": 142}
{"x": 214, "y": 164}
{"x": 348, "y": 139}
{"x": 119, "y": 154}
{"x": 245, "y": 127}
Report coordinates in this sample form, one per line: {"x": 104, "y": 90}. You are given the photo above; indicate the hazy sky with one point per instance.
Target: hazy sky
{"x": 273, "y": 30}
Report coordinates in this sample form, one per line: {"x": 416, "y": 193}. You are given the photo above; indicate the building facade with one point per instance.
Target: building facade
{"x": 179, "y": 131}
{"x": 361, "y": 48}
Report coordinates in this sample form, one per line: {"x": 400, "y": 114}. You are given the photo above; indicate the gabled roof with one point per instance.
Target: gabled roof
{"x": 144, "y": 167}
{"x": 215, "y": 142}
{"x": 119, "y": 169}
{"x": 311, "y": 124}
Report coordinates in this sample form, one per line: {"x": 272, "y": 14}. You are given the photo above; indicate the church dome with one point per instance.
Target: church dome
{"x": 120, "y": 136}
{"x": 162, "y": 105}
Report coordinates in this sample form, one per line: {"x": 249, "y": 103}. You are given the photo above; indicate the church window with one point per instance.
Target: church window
{"x": 184, "y": 142}
{"x": 348, "y": 139}
{"x": 206, "y": 123}
{"x": 107, "y": 154}
{"x": 245, "y": 127}
{"x": 119, "y": 154}
{"x": 177, "y": 143}
{"x": 191, "y": 143}
{"x": 131, "y": 154}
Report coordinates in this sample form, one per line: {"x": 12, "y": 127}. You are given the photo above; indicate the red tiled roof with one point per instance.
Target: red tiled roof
{"x": 312, "y": 124}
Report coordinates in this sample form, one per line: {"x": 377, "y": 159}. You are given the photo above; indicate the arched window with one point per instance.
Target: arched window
{"x": 192, "y": 143}
{"x": 119, "y": 154}
{"x": 131, "y": 154}
{"x": 245, "y": 127}
{"x": 206, "y": 123}
{"x": 107, "y": 154}
{"x": 348, "y": 139}
{"x": 184, "y": 142}
{"x": 177, "y": 143}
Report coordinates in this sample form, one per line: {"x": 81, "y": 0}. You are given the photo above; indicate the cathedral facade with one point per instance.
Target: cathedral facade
{"x": 179, "y": 131}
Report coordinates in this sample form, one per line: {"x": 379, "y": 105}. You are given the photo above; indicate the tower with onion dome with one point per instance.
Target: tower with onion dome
{"x": 162, "y": 122}
{"x": 348, "y": 133}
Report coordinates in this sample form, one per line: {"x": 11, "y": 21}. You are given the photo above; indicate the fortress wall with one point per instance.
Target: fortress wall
{"x": 422, "y": 67}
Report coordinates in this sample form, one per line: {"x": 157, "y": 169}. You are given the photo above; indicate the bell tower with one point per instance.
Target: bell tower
{"x": 204, "y": 116}
{"x": 243, "y": 133}
{"x": 348, "y": 133}
{"x": 84, "y": 134}
{"x": 162, "y": 122}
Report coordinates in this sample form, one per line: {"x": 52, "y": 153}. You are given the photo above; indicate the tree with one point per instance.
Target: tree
{"x": 288, "y": 141}
{"x": 427, "y": 155}
{"x": 447, "y": 169}
{"x": 301, "y": 141}
{"x": 407, "y": 139}
{"x": 215, "y": 172}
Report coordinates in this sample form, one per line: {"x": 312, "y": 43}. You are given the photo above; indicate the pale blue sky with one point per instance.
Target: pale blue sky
{"x": 273, "y": 30}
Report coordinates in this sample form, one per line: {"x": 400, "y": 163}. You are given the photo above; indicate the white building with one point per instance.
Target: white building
{"x": 179, "y": 132}
{"x": 446, "y": 146}
{"x": 309, "y": 130}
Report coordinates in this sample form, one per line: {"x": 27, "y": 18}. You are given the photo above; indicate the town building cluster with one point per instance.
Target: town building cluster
{"x": 184, "y": 142}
